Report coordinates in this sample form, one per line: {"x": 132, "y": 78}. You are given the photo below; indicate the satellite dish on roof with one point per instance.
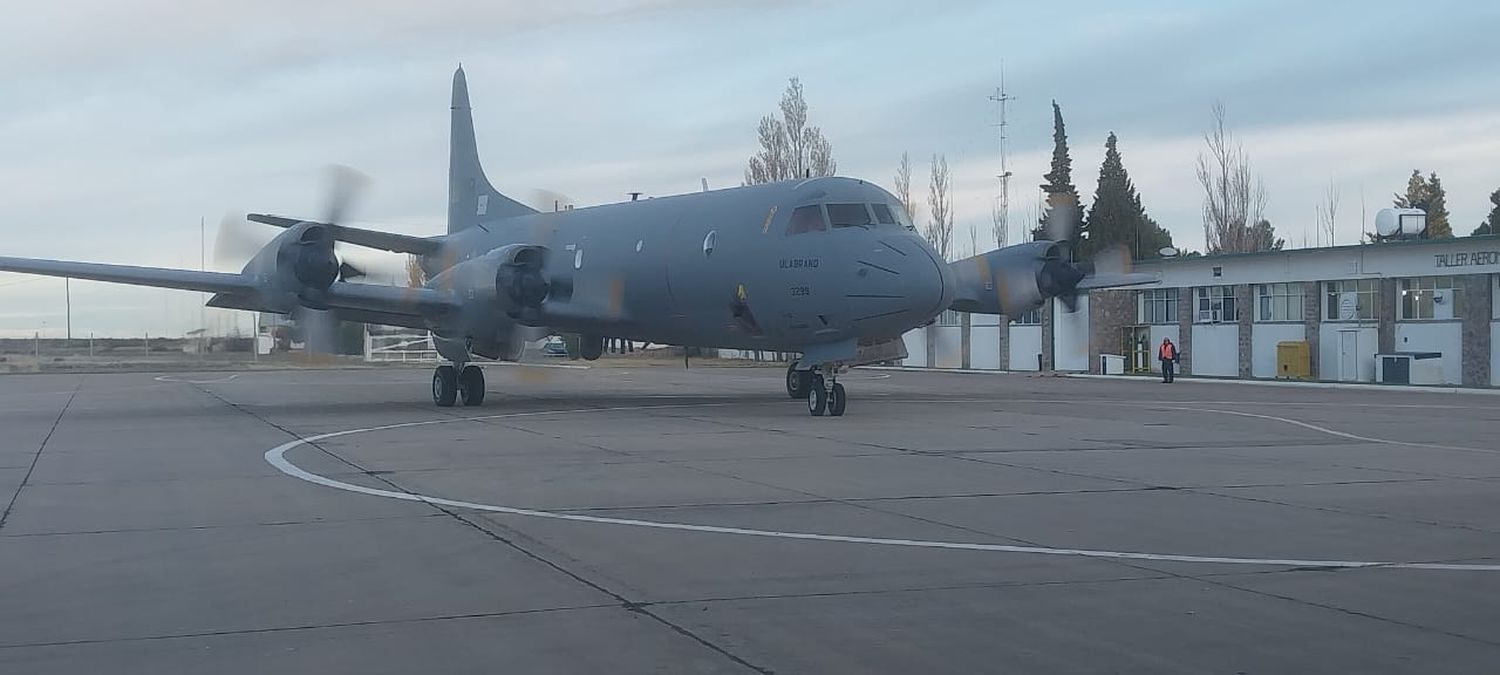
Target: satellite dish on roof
{"x": 1167, "y": 252}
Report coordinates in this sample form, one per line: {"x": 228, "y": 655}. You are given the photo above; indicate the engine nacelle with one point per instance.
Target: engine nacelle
{"x": 1012, "y": 280}
{"x": 500, "y": 291}
{"x": 508, "y": 280}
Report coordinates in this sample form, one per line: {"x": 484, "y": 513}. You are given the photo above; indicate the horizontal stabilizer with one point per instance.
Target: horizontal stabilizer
{"x": 1117, "y": 280}
{"x": 385, "y": 241}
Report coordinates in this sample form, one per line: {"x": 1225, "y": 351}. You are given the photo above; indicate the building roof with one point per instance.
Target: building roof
{"x": 1478, "y": 239}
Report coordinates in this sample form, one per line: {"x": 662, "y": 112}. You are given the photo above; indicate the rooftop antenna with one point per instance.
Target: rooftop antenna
{"x": 1002, "y": 199}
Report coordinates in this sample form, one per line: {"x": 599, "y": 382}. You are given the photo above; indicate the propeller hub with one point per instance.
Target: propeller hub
{"x": 316, "y": 266}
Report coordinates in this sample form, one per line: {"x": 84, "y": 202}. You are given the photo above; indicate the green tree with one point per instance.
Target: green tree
{"x": 1427, "y": 194}
{"x": 1263, "y": 237}
{"x": 1491, "y": 225}
{"x": 1117, "y": 217}
{"x": 1062, "y": 196}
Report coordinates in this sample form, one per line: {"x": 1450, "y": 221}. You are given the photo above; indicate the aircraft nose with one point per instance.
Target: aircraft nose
{"x": 902, "y": 283}
{"x": 932, "y": 285}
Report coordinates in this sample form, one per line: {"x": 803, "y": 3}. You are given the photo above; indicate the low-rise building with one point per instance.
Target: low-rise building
{"x": 1437, "y": 301}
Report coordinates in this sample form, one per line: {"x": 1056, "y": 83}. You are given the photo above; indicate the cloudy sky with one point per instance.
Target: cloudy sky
{"x": 124, "y": 123}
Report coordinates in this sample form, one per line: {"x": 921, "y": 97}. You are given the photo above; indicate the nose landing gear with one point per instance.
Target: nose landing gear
{"x": 824, "y": 395}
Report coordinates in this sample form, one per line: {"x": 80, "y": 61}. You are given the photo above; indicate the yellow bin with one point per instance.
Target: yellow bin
{"x": 1292, "y": 360}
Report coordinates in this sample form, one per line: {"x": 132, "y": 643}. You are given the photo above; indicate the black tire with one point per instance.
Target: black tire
{"x": 591, "y": 347}
{"x": 817, "y": 397}
{"x": 444, "y": 386}
{"x": 471, "y": 385}
{"x": 797, "y": 381}
{"x": 837, "y": 400}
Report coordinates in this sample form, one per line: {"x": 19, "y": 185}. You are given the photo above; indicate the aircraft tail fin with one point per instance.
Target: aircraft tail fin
{"x": 471, "y": 198}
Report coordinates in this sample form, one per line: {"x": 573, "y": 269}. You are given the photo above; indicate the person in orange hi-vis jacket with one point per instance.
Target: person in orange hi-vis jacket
{"x": 1169, "y": 356}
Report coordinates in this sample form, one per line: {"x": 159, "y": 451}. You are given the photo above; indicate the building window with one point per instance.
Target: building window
{"x": 1350, "y": 299}
{"x": 1278, "y": 302}
{"x": 1031, "y": 318}
{"x": 1159, "y": 305}
{"x": 1216, "y": 305}
{"x": 949, "y": 317}
{"x": 1430, "y": 298}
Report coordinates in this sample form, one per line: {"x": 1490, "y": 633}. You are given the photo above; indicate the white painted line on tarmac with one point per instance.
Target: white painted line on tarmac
{"x": 1334, "y": 432}
{"x": 174, "y": 378}
{"x": 277, "y": 457}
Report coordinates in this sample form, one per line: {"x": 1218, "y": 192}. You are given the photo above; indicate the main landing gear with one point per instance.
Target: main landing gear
{"x": 824, "y": 394}
{"x": 452, "y": 383}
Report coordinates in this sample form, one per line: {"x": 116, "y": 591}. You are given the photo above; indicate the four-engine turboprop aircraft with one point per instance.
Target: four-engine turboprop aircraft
{"x": 829, "y": 268}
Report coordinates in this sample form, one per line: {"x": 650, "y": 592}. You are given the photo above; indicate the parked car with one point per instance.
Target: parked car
{"x": 554, "y": 346}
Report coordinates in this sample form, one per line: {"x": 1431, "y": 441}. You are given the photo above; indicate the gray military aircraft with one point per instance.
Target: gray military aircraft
{"x": 829, "y": 268}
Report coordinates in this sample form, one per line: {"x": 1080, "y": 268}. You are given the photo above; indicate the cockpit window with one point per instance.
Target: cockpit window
{"x": 807, "y": 219}
{"x": 902, "y": 217}
{"x": 883, "y": 214}
{"x": 849, "y": 215}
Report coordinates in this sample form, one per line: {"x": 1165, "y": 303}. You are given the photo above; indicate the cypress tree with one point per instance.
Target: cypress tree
{"x": 1491, "y": 225}
{"x": 1427, "y": 194}
{"x": 1059, "y": 186}
{"x": 1117, "y": 217}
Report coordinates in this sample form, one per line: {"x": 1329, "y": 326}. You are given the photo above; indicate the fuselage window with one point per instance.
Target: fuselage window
{"x": 883, "y": 214}
{"x": 849, "y": 215}
{"x": 807, "y": 219}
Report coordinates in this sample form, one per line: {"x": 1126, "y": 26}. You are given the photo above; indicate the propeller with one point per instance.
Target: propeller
{"x": 1059, "y": 276}
{"x": 237, "y": 241}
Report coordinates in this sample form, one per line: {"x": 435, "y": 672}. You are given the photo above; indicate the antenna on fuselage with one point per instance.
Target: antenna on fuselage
{"x": 704, "y": 180}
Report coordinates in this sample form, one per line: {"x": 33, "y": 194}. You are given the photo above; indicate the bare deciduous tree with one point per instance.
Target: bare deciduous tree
{"x": 416, "y": 277}
{"x": 903, "y": 186}
{"x": 1000, "y": 226}
{"x": 940, "y": 207}
{"x": 789, "y": 148}
{"x": 1234, "y": 197}
{"x": 1328, "y": 210}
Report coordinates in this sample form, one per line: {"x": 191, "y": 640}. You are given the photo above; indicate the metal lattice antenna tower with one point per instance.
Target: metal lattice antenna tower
{"x": 1002, "y": 198}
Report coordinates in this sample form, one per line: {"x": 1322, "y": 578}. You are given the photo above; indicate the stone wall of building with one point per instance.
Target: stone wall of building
{"x": 1110, "y": 311}
{"x": 1312, "y": 315}
{"x": 966, "y": 337}
{"x": 1004, "y": 339}
{"x": 1475, "y": 313}
{"x": 1048, "y": 329}
{"x": 1385, "y": 316}
{"x": 1184, "y": 331}
{"x": 1245, "y": 303}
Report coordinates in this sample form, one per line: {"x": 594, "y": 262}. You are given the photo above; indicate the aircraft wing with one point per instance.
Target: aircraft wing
{"x": 426, "y": 302}
{"x": 385, "y": 241}
{"x": 1117, "y": 280}
{"x": 190, "y": 280}
{"x": 240, "y": 291}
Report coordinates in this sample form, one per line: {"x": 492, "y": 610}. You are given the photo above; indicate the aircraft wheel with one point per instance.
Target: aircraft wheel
{"x": 444, "y": 386}
{"x": 591, "y": 347}
{"x": 798, "y": 382}
{"x": 817, "y": 397}
{"x": 471, "y": 385}
{"x": 837, "y": 400}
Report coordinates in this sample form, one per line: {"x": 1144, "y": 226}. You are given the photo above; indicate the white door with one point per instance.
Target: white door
{"x": 1348, "y": 355}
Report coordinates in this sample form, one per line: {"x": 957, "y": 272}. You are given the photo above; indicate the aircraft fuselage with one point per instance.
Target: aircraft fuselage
{"x": 727, "y": 268}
